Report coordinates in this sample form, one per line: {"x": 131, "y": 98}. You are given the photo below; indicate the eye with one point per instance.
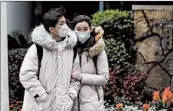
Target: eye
{"x": 62, "y": 23}
{"x": 78, "y": 29}
{"x": 86, "y": 29}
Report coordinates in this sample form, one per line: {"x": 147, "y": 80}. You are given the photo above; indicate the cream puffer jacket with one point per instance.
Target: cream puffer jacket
{"x": 91, "y": 94}
{"x": 53, "y": 89}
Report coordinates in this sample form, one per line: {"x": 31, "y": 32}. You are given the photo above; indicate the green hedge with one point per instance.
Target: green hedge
{"x": 125, "y": 80}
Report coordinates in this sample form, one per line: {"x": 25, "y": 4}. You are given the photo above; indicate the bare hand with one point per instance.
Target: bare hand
{"x": 76, "y": 75}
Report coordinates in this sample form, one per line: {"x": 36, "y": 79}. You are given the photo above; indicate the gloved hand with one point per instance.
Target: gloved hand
{"x": 76, "y": 75}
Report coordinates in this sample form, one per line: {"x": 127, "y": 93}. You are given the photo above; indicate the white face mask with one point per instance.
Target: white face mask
{"x": 83, "y": 36}
{"x": 63, "y": 31}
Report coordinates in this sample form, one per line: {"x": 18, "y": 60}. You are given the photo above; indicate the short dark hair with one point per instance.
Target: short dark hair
{"x": 51, "y": 18}
{"x": 81, "y": 18}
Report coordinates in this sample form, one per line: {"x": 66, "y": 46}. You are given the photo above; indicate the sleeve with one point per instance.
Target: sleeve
{"x": 28, "y": 74}
{"x": 75, "y": 84}
{"x": 103, "y": 72}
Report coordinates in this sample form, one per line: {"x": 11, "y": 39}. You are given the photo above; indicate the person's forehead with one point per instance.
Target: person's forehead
{"x": 82, "y": 24}
{"x": 62, "y": 19}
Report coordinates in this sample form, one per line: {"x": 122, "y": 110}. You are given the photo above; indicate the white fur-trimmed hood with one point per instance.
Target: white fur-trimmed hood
{"x": 40, "y": 36}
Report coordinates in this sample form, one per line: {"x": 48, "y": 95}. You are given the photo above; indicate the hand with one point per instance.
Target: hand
{"x": 76, "y": 75}
{"x": 73, "y": 80}
{"x": 99, "y": 30}
{"x": 42, "y": 98}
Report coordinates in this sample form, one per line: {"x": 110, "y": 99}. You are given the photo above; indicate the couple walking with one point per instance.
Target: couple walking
{"x": 65, "y": 68}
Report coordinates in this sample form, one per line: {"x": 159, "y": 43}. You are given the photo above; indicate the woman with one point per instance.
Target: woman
{"x": 94, "y": 67}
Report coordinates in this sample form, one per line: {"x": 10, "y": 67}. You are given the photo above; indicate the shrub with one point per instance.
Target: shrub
{"x": 161, "y": 101}
{"x": 119, "y": 26}
{"x": 125, "y": 80}
{"x": 16, "y": 90}
{"x": 16, "y": 106}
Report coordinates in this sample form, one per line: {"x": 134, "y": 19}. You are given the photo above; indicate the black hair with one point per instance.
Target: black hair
{"x": 81, "y": 18}
{"x": 51, "y": 18}
{"x": 91, "y": 41}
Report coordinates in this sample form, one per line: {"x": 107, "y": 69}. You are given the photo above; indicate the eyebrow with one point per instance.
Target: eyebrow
{"x": 62, "y": 21}
{"x": 81, "y": 27}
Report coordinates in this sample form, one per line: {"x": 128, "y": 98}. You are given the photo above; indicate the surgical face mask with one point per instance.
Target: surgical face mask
{"x": 83, "y": 36}
{"x": 63, "y": 31}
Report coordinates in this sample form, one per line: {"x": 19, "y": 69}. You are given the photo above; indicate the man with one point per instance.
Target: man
{"x": 49, "y": 87}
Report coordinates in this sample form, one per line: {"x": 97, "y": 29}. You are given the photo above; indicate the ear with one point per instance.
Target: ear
{"x": 51, "y": 29}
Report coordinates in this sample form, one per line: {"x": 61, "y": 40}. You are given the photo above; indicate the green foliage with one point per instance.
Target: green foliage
{"x": 121, "y": 53}
{"x": 108, "y": 15}
{"x": 119, "y": 37}
{"x": 117, "y": 55}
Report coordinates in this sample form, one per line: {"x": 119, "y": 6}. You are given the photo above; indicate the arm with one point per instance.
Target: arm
{"x": 75, "y": 84}
{"x": 103, "y": 72}
{"x": 28, "y": 75}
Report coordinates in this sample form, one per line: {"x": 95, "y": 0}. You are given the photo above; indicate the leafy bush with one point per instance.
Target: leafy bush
{"x": 161, "y": 101}
{"x": 125, "y": 80}
{"x": 17, "y": 48}
{"x": 16, "y": 106}
{"x": 118, "y": 25}
{"x": 16, "y": 90}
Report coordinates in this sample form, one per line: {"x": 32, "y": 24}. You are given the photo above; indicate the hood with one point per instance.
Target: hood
{"x": 97, "y": 48}
{"x": 40, "y": 36}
